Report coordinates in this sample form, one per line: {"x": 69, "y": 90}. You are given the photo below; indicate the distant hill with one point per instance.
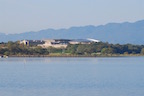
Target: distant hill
{"x": 113, "y": 32}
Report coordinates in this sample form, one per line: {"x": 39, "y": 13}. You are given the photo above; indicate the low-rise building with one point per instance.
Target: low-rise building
{"x": 31, "y": 42}
{"x": 80, "y": 41}
{"x": 57, "y": 43}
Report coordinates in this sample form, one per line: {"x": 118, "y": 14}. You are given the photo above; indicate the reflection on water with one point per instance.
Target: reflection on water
{"x": 47, "y": 59}
{"x": 121, "y": 76}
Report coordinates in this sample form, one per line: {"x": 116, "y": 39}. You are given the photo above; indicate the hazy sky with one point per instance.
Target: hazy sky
{"x": 17, "y": 16}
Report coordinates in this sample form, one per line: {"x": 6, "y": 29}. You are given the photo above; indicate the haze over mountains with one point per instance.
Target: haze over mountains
{"x": 112, "y": 32}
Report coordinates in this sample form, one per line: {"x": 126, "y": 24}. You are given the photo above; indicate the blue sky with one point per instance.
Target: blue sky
{"x": 17, "y": 16}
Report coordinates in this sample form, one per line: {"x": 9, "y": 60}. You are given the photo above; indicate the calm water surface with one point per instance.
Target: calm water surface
{"x": 121, "y": 76}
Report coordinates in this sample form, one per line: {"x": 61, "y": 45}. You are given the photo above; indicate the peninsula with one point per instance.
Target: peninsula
{"x": 68, "y": 48}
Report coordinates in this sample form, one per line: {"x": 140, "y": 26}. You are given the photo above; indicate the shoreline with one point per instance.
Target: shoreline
{"x": 108, "y": 55}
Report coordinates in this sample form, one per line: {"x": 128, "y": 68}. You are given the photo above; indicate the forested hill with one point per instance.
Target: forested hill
{"x": 113, "y": 33}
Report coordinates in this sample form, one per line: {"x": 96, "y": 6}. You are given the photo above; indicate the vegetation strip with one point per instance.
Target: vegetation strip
{"x": 100, "y": 49}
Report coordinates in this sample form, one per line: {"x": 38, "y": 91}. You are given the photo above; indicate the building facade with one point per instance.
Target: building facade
{"x": 57, "y": 43}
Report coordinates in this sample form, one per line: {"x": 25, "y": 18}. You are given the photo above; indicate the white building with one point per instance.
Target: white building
{"x": 56, "y": 43}
{"x": 63, "y": 43}
{"x": 25, "y": 42}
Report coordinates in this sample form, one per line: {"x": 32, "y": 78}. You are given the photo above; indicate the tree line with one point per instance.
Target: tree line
{"x": 15, "y": 48}
{"x": 106, "y": 48}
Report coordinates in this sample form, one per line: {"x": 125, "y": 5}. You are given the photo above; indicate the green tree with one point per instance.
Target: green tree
{"x": 108, "y": 51}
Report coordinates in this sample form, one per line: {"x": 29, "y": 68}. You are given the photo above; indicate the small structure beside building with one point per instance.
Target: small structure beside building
{"x": 25, "y": 42}
{"x": 31, "y": 42}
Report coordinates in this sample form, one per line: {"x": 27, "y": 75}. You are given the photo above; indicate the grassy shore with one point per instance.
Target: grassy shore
{"x": 74, "y": 55}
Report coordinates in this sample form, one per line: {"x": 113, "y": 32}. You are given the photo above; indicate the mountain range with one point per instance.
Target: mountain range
{"x": 122, "y": 33}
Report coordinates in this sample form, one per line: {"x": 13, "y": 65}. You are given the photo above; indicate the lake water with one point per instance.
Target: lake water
{"x": 115, "y": 76}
